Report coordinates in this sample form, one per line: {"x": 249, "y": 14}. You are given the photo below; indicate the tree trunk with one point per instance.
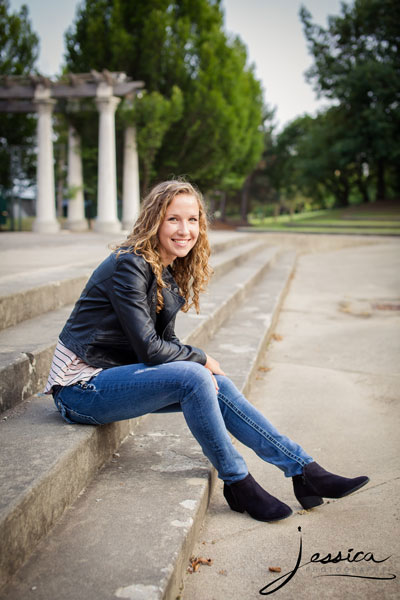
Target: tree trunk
{"x": 60, "y": 180}
{"x": 145, "y": 183}
{"x": 362, "y": 185}
{"x": 363, "y": 191}
{"x": 211, "y": 205}
{"x": 245, "y": 200}
{"x": 380, "y": 184}
{"x": 222, "y": 207}
{"x": 341, "y": 190}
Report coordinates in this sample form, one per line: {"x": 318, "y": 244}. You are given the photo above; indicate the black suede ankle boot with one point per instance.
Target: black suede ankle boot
{"x": 247, "y": 495}
{"x": 315, "y": 483}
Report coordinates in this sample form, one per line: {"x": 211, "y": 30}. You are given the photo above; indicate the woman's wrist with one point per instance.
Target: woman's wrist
{"x": 213, "y": 366}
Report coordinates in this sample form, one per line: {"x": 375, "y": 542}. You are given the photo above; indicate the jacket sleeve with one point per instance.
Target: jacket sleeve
{"x": 129, "y": 300}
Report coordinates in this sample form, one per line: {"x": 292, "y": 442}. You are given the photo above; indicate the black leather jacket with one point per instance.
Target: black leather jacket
{"x": 115, "y": 323}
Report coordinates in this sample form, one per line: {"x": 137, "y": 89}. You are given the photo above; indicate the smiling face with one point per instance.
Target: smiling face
{"x": 179, "y": 231}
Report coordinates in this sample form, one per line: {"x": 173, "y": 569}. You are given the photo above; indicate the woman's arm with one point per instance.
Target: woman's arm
{"x": 129, "y": 300}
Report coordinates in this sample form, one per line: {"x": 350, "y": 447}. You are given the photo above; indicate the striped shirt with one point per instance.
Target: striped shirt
{"x": 67, "y": 368}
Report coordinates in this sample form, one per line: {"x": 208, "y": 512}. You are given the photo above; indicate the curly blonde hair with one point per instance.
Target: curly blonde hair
{"x": 191, "y": 272}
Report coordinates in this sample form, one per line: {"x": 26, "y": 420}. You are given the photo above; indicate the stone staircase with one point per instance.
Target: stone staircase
{"x": 113, "y": 511}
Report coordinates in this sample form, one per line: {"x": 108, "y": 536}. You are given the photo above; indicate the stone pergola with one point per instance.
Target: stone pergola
{"x": 43, "y": 96}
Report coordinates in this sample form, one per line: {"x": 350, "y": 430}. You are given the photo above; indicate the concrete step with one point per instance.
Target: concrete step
{"x": 41, "y": 452}
{"x": 26, "y": 349}
{"x": 130, "y": 534}
{"x": 223, "y": 296}
{"x": 27, "y": 294}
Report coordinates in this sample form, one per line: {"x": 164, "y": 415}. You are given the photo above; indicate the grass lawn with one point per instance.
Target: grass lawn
{"x": 373, "y": 219}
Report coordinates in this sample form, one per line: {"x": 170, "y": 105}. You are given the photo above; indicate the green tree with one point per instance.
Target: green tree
{"x": 314, "y": 158}
{"x": 202, "y": 111}
{"x": 286, "y": 166}
{"x": 357, "y": 64}
{"x": 19, "y": 47}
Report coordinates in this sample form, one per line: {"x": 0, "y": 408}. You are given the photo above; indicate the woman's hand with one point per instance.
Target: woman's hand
{"x": 214, "y": 367}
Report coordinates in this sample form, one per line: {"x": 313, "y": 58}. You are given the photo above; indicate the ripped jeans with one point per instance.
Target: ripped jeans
{"x": 134, "y": 390}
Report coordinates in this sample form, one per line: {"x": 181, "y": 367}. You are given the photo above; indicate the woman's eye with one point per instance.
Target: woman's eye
{"x": 193, "y": 219}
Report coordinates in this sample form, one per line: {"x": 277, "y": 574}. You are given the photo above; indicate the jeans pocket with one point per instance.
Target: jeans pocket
{"x": 72, "y": 416}
{"x": 61, "y": 409}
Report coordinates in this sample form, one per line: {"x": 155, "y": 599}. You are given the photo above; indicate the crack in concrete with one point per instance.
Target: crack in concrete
{"x": 372, "y": 487}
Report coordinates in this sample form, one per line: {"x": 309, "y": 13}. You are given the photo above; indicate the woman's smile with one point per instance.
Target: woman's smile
{"x": 181, "y": 242}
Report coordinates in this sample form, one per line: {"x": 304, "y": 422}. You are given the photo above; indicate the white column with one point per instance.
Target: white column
{"x": 130, "y": 188}
{"x": 45, "y": 221}
{"x": 76, "y": 209}
{"x": 107, "y": 216}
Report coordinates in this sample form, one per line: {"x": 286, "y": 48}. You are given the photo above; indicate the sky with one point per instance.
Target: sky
{"x": 271, "y": 30}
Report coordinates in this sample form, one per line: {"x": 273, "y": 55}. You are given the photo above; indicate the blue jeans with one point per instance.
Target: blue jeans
{"x": 134, "y": 390}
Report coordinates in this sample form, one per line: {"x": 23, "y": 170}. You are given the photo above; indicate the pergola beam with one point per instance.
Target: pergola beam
{"x": 72, "y": 85}
{"x": 81, "y": 90}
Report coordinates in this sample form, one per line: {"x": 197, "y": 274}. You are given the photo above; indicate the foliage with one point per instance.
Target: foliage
{"x": 357, "y": 64}
{"x": 314, "y": 160}
{"x": 202, "y": 112}
{"x": 19, "y": 47}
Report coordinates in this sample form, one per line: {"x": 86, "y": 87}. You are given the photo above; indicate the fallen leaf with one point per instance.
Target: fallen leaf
{"x": 277, "y": 337}
{"x": 205, "y": 561}
{"x": 196, "y": 561}
{"x": 275, "y": 569}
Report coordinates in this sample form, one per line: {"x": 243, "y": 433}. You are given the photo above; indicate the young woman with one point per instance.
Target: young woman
{"x": 118, "y": 357}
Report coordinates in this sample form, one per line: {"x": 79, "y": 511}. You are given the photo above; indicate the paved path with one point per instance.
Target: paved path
{"x": 333, "y": 384}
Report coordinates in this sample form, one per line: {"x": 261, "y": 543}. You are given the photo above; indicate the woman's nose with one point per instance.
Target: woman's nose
{"x": 183, "y": 227}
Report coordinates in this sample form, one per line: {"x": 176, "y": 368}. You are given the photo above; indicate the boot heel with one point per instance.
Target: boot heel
{"x": 308, "y": 502}
{"x": 315, "y": 483}
{"x": 305, "y": 494}
{"x": 248, "y": 496}
{"x": 233, "y": 505}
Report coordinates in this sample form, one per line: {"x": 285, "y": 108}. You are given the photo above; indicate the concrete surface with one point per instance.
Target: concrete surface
{"x": 332, "y": 383}
{"x": 338, "y": 361}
